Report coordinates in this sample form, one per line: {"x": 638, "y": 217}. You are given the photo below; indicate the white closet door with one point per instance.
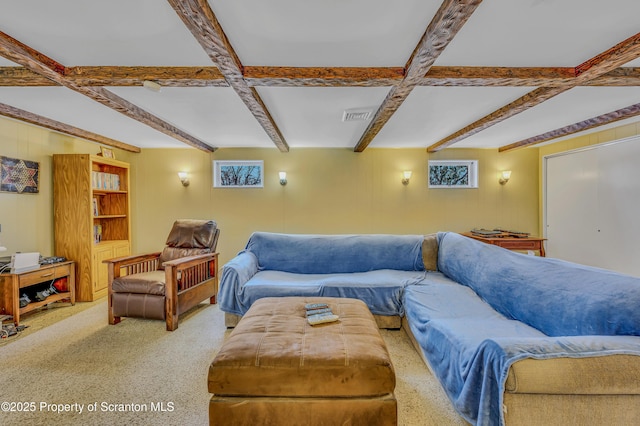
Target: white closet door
{"x": 619, "y": 207}
{"x": 592, "y": 206}
{"x": 572, "y": 207}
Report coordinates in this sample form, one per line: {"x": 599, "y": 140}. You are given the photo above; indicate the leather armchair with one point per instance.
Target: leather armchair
{"x": 165, "y": 284}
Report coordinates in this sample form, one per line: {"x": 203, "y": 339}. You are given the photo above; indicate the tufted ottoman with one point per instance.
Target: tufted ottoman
{"x": 276, "y": 369}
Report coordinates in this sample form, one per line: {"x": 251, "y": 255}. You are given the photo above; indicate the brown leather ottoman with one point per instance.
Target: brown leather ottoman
{"x": 276, "y": 369}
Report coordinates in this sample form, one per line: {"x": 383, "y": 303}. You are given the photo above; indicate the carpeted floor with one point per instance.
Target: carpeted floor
{"x": 137, "y": 373}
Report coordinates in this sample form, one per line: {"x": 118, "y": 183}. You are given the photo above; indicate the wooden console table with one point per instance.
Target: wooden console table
{"x": 11, "y": 285}
{"x": 512, "y": 243}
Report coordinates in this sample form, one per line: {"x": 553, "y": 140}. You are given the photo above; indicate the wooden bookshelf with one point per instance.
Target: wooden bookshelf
{"x": 84, "y": 185}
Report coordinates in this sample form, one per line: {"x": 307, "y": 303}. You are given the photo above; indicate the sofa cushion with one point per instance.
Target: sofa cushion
{"x": 380, "y": 290}
{"x": 596, "y": 375}
{"x": 558, "y": 298}
{"x": 328, "y": 254}
{"x": 430, "y": 252}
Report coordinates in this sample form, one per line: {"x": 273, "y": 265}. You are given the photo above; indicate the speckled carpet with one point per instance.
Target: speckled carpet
{"x": 81, "y": 371}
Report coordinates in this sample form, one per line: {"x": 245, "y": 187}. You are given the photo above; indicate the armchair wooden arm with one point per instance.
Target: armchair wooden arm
{"x": 134, "y": 264}
{"x": 189, "y": 280}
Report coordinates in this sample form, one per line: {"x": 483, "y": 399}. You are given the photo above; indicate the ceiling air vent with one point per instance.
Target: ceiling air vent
{"x": 356, "y": 114}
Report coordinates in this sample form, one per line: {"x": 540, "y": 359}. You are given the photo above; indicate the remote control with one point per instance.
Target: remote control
{"x": 319, "y": 311}
{"x": 322, "y": 318}
{"x": 310, "y": 306}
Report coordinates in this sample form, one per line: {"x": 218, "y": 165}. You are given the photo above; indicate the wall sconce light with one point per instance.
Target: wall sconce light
{"x": 505, "y": 175}
{"x": 283, "y": 178}
{"x": 184, "y": 178}
{"x": 406, "y": 175}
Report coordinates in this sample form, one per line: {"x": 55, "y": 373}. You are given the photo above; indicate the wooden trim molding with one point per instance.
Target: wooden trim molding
{"x": 601, "y": 120}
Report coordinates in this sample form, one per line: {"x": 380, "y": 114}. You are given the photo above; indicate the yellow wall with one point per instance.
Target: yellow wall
{"x": 329, "y": 191}
{"x": 27, "y": 219}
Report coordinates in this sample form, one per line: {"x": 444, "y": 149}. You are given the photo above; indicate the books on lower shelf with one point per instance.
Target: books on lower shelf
{"x": 97, "y": 233}
{"x": 107, "y": 181}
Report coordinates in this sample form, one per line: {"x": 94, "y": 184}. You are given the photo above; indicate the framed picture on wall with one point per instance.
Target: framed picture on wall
{"x": 453, "y": 174}
{"x": 107, "y": 153}
{"x": 238, "y": 174}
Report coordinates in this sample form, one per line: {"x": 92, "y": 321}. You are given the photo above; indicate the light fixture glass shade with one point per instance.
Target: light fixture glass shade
{"x": 283, "y": 178}
{"x": 505, "y": 175}
{"x": 406, "y": 175}
{"x": 184, "y": 178}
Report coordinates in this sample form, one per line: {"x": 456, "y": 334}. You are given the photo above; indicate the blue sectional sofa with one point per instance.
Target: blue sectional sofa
{"x": 372, "y": 268}
{"x": 513, "y": 339}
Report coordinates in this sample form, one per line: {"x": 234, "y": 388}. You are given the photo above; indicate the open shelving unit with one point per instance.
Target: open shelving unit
{"x": 92, "y": 219}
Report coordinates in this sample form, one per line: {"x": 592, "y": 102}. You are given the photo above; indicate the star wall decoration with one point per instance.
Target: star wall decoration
{"x": 21, "y": 176}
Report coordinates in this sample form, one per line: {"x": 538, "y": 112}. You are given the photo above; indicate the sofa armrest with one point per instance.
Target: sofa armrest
{"x": 597, "y": 375}
{"x": 234, "y": 276}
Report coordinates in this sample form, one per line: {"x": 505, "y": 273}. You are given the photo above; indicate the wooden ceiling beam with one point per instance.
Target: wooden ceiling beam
{"x": 135, "y": 76}
{"x": 322, "y": 76}
{"x": 628, "y": 76}
{"x": 444, "y": 26}
{"x": 607, "y": 61}
{"x": 591, "y": 123}
{"x": 38, "y": 120}
{"x": 118, "y": 76}
{"x": 203, "y": 24}
{"x": 35, "y": 61}
{"x": 497, "y": 76}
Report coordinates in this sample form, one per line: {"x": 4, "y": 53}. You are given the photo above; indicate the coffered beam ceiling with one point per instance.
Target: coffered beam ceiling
{"x": 446, "y": 23}
{"x": 38, "y": 69}
{"x": 603, "y": 63}
{"x": 203, "y": 24}
{"x": 43, "y": 65}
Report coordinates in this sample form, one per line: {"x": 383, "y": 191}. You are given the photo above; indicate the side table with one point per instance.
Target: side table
{"x": 512, "y": 243}
{"x": 11, "y": 285}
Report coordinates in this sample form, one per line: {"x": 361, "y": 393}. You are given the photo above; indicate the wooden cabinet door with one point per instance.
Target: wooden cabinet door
{"x": 121, "y": 249}
{"x": 101, "y": 276}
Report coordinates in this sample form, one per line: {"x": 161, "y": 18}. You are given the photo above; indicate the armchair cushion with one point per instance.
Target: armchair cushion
{"x": 173, "y": 253}
{"x": 142, "y": 283}
{"x": 189, "y": 237}
{"x": 190, "y": 233}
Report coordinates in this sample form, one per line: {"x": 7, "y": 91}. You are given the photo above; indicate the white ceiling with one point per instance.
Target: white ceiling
{"x": 329, "y": 33}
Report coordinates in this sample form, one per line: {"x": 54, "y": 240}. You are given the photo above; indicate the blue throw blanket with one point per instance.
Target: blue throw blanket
{"x": 558, "y": 298}
{"x": 494, "y": 307}
{"x": 470, "y": 346}
{"x": 372, "y": 268}
{"x": 333, "y": 254}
